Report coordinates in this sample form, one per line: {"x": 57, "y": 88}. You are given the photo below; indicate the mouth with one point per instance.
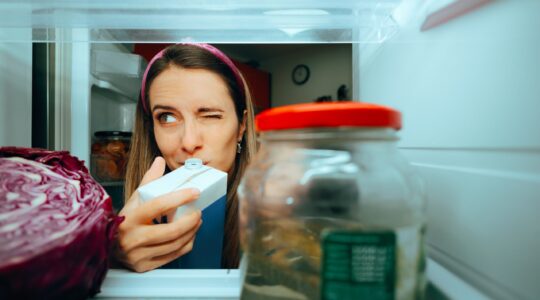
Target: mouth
{"x": 205, "y": 162}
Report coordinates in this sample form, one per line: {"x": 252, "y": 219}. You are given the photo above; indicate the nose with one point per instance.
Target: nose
{"x": 192, "y": 138}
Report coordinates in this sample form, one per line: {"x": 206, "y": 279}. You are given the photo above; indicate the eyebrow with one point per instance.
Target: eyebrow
{"x": 200, "y": 110}
{"x": 209, "y": 109}
{"x": 165, "y": 107}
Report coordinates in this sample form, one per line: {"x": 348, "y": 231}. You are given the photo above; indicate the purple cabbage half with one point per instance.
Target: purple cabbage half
{"x": 57, "y": 226}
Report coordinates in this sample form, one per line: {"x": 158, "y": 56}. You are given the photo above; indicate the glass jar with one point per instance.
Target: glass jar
{"x": 109, "y": 155}
{"x": 329, "y": 209}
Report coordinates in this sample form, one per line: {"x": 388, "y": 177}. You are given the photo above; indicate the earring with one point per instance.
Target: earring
{"x": 238, "y": 148}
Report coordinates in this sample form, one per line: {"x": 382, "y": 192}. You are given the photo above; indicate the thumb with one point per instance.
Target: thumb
{"x": 155, "y": 171}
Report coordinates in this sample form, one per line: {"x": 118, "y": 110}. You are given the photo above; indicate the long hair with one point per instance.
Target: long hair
{"x": 144, "y": 148}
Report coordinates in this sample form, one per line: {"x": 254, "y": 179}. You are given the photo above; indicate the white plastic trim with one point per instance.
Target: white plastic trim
{"x": 450, "y": 284}
{"x": 179, "y": 284}
{"x": 226, "y": 284}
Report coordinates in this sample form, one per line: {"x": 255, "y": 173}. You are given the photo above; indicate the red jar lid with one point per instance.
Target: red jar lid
{"x": 328, "y": 114}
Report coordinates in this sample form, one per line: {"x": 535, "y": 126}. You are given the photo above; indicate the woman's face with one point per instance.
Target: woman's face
{"x": 194, "y": 117}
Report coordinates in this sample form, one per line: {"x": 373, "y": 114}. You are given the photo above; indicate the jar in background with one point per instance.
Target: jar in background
{"x": 329, "y": 209}
{"x": 109, "y": 155}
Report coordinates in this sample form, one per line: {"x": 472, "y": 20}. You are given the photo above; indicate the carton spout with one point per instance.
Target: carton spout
{"x": 193, "y": 163}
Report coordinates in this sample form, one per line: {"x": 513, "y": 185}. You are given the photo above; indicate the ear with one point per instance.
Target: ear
{"x": 242, "y": 127}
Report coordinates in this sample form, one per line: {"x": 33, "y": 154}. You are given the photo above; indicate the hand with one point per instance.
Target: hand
{"x": 144, "y": 246}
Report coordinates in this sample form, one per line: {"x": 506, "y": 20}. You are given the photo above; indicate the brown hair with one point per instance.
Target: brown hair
{"x": 144, "y": 148}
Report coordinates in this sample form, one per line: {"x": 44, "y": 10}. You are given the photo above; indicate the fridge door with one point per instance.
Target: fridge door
{"x": 469, "y": 91}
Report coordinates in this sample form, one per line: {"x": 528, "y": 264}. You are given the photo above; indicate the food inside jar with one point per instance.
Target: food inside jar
{"x": 285, "y": 258}
{"x": 109, "y": 156}
{"x": 288, "y": 253}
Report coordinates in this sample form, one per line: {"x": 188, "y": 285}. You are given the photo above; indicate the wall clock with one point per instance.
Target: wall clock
{"x": 300, "y": 74}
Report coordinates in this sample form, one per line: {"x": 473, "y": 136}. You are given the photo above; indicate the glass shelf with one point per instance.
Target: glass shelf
{"x": 112, "y": 183}
{"x": 304, "y": 21}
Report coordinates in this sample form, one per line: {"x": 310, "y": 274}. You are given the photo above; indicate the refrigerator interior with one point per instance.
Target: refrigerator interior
{"x": 465, "y": 75}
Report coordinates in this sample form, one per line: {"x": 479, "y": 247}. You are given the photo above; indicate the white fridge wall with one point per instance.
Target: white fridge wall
{"x": 469, "y": 91}
{"x": 16, "y": 93}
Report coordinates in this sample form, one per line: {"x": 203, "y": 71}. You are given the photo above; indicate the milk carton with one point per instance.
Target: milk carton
{"x": 212, "y": 183}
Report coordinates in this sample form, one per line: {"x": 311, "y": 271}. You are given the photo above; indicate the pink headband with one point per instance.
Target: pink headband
{"x": 207, "y": 47}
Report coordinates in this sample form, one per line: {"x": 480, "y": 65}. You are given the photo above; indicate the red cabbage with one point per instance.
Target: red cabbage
{"x": 57, "y": 226}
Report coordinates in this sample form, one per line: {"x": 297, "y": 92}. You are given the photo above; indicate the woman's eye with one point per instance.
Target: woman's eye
{"x": 213, "y": 116}
{"x": 166, "y": 118}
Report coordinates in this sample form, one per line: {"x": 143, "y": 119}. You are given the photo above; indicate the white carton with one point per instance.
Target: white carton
{"x": 211, "y": 182}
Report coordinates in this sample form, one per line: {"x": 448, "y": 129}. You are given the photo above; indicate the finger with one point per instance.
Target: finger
{"x": 160, "y": 205}
{"x": 159, "y": 261}
{"x": 148, "y": 235}
{"x": 163, "y": 233}
{"x": 130, "y": 205}
{"x": 176, "y": 254}
{"x": 155, "y": 171}
{"x": 146, "y": 253}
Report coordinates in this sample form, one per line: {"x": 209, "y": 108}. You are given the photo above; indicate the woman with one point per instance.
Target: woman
{"x": 194, "y": 103}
